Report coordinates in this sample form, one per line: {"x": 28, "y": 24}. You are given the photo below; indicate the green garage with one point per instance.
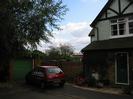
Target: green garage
{"x": 21, "y": 68}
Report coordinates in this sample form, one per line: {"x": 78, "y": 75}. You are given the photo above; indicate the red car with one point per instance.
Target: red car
{"x": 46, "y": 75}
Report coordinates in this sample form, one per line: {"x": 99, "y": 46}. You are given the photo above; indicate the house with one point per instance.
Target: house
{"x": 110, "y": 52}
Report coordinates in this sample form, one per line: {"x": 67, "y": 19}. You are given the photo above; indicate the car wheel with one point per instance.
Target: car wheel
{"x": 61, "y": 84}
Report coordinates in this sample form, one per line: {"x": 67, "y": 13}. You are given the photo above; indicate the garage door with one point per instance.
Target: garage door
{"x": 21, "y": 68}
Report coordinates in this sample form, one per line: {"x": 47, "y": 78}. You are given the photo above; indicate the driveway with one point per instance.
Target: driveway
{"x": 22, "y": 91}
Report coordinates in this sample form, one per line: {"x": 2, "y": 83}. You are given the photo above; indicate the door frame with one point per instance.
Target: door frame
{"x": 127, "y": 54}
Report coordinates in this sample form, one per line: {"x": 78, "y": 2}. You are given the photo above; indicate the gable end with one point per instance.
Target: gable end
{"x": 116, "y": 13}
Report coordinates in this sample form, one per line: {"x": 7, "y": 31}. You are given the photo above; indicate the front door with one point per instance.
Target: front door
{"x": 122, "y": 68}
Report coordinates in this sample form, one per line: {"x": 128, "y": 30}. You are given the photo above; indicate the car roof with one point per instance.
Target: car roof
{"x": 49, "y": 66}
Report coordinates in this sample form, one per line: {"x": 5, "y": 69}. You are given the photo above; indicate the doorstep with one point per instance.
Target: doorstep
{"x": 102, "y": 90}
{"x": 108, "y": 90}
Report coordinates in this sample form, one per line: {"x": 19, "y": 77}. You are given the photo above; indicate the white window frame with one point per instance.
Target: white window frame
{"x": 126, "y": 21}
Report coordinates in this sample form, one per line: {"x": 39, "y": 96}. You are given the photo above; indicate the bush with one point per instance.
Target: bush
{"x": 127, "y": 89}
{"x": 92, "y": 82}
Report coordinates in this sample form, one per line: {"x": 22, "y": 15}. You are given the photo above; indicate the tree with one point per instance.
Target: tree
{"x": 63, "y": 52}
{"x": 25, "y": 22}
{"x": 66, "y": 50}
{"x": 53, "y": 53}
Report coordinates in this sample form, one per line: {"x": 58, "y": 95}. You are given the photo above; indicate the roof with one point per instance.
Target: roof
{"x": 111, "y": 44}
{"x": 92, "y": 33}
{"x": 101, "y": 12}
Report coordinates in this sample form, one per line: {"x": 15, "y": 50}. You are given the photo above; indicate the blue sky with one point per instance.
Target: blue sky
{"x": 76, "y": 24}
{"x": 82, "y": 10}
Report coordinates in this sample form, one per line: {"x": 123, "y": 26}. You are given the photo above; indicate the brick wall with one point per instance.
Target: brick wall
{"x": 71, "y": 69}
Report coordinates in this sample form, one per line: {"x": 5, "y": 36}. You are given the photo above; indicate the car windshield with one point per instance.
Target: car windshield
{"x": 54, "y": 70}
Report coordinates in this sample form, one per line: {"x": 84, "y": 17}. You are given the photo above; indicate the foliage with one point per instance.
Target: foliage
{"x": 92, "y": 82}
{"x": 63, "y": 52}
{"x": 38, "y": 54}
{"x": 127, "y": 89}
{"x": 66, "y": 50}
{"x": 30, "y": 54}
{"x": 25, "y": 22}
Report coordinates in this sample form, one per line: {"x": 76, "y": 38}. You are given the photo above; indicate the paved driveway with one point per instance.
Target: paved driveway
{"x": 68, "y": 92}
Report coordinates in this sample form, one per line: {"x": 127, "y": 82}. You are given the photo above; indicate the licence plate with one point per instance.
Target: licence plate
{"x": 57, "y": 81}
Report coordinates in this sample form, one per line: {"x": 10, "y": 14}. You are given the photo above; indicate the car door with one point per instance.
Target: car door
{"x": 40, "y": 76}
{"x": 34, "y": 75}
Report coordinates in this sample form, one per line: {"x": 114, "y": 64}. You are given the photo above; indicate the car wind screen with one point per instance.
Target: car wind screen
{"x": 54, "y": 70}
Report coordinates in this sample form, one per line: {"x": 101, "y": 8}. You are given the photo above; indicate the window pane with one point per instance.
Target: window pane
{"x": 114, "y": 30}
{"x": 114, "y": 33}
{"x": 121, "y": 32}
{"x": 121, "y": 28}
{"x": 130, "y": 18}
{"x": 114, "y": 27}
{"x": 54, "y": 70}
{"x": 131, "y": 27}
{"x": 131, "y": 31}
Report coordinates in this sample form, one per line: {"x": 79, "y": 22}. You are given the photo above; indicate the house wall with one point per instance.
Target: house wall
{"x": 124, "y": 4}
{"x": 111, "y": 67}
{"x": 104, "y": 30}
{"x": 129, "y": 10}
{"x": 94, "y": 38}
{"x": 115, "y": 7}
{"x": 111, "y": 74}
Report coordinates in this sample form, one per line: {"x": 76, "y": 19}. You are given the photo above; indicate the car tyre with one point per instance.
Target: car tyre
{"x": 61, "y": 84}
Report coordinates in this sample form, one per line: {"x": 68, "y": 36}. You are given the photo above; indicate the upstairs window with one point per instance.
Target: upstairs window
{"x": 130, "y": 25}
{"x": 118, "y": 27}
{"x": 122, "y": 27}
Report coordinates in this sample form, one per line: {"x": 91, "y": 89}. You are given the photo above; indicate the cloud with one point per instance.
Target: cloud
{"x": 75, "y": 34}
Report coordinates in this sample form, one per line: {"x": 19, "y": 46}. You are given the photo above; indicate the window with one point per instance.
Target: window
{"x": 122, "y": 27}
{"x": 130, "y": 24}
{"x": 54, "y": 70}
{"x": 131, "y": 27}
{"x": 118, "y": 27}
{"x": 114, "y": 29}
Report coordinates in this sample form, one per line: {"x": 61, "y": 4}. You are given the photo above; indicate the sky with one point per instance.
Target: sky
{"x": 76, "y": 24}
